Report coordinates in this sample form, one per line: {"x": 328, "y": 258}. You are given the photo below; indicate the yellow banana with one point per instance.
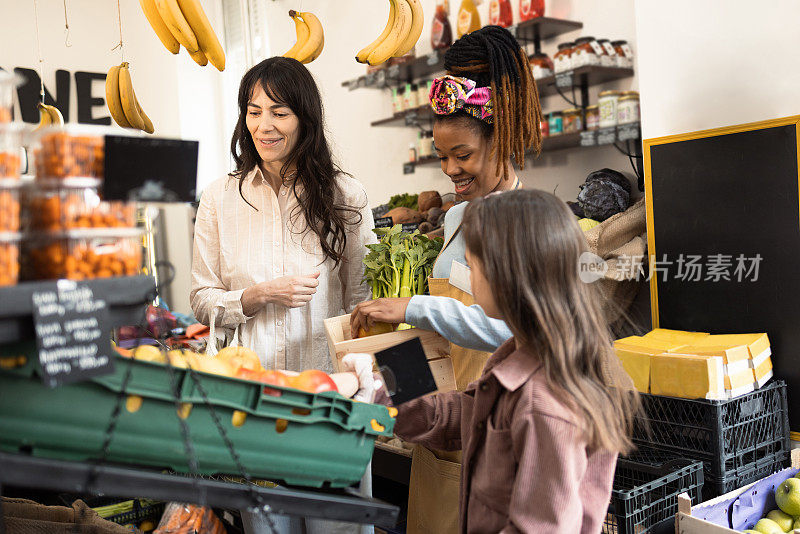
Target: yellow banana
{"x": 199, "y": 57}
{"x": 128, "y": 98}
{"x": 315, "y": 38}
{"x": 317, "y": 52}
{"x": 167, "y": 39}
{"x": 206, "y": 38}
{"x": 148, "y": 124}
{"x": 173, "y": 18}
{"x": 113, "y": 101}
{"x": 400, "y": 29}
{"x": 302, "y": 32}
{"x": 417, "y": 21}
{"x": 364, "y": 53}
{"x": 56, "y": 119}
{"x": 45, "y": 119}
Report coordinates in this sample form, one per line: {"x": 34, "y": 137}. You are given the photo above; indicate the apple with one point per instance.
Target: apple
{"x": 177, "y": 357}
{"x": 787, "y": 496}
{"x": 149, "y": 353}
{"x": 767, "y": 526}
{"x": 240, "y": 357}
{"x": 783, "y": 519}
{"x": 313, "y": 381}
{"x": 275, "y": 378}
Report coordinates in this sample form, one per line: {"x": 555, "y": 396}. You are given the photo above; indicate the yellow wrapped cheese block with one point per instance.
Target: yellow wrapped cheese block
{"x": 675, "y": 336}
{"x": 740, "y": 379}
{"x": 687, "y": 376}
{"x": 729, "y": 355}
{"x": 757, "y": 344}
{"x": 636, "y": 362}
{"x": 763, "y": 372}
{"x": 633, "y": 342}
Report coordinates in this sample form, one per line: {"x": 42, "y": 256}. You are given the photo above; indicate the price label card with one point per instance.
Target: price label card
{"x": 72, "y": 333}
{"x": 627, "y": 132}
{"x": 606, "y": 136}
{"x": 410, "y": 227}
{"x": 588, "y": 138}
{"x": 409, "y": 168}
{"x": 383, "y": 222}
{"x": 564, "y": 80}
{"x": 394, "y": 71}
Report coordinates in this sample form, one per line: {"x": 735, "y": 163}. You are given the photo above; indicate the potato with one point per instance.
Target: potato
{"x": 428, "y": 200}
{"x": 433, "y": 215}
{"x": 425, "y": 227}
{"x": 404, "y": 216}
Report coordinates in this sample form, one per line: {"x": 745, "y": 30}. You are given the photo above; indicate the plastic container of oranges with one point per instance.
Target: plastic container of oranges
{"x": 8, "y": 82}
{"x": 82, "y": 254}
{"x": 70, "y": 203}
{"x": 9, "y": 205}
{"x": 9, "y": 258}
{"x": 10, "y": 150}
{"x": 69, "y": 151}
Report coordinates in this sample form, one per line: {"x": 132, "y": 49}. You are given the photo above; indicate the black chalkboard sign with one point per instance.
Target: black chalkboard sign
{"x": 410, "y": 227}
{"x": 405, "y": 371}
{"x": 72, "y": 333}
{"x": 724, "y": 231}
{"x": 383, "y": 222}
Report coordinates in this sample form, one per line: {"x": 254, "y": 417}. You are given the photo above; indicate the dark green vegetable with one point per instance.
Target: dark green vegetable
{"x": 404, "y": 201}
{"x": 400, "y": 263}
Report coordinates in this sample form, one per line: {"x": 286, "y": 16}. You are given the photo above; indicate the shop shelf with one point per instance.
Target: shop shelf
{"x": 646, "y": 488}
{"x": 125, "y": 298}
{"x": 278, "y": 433}
{"x": 737, "y": 439}
{"x": 78, "y": 477}
{"x": 429, "y": 64}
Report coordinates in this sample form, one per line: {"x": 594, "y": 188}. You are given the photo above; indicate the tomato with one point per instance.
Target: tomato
{"x": 314, "y": 381}
{"x": 275, "y": 378}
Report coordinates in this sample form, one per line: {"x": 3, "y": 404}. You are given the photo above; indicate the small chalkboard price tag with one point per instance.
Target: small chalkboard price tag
{"x": 409, "y": 168}
{"x": 564, "y": 80}
{"x": 383, "y": 222}
{"x": 410, "y": 227}
{"x": 71, "y": 333}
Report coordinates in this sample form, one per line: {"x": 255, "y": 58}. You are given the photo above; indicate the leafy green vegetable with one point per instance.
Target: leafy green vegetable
{"x": 403, "y": 201}
{"x": 400, "y": 263}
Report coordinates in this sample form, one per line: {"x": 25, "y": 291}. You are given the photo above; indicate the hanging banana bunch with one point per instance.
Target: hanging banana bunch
{"x": 183, "y": 22}
{"x": 121, "y": 100}
{"x": 401, "y": 33}
{"x": 49, "y": 116}
{"x": 310, "y": 37}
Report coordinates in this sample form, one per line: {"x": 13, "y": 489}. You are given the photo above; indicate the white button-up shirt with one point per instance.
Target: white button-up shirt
{"x": 237, "y": 247}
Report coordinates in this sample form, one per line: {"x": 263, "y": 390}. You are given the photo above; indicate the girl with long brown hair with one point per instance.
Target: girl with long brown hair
{"x": 541, "y": 428}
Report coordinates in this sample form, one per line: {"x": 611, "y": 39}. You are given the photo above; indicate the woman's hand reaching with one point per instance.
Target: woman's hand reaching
{"x": 289, "y": 291}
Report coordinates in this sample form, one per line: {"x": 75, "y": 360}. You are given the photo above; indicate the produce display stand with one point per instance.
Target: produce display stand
{"x": 41, "y": 465}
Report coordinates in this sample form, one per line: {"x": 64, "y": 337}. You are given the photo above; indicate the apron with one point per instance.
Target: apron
{"x": 435, "y": 480}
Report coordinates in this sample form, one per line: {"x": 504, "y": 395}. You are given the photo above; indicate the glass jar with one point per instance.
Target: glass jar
{"x": 9, "y": 205}
{"x": 9, "y": 258}
{"x": 423, "y": 90}
{"x": 10, "y": 151}
{"x": 70, "y": 151}
{"x": 624, "y": 54}
{"x": 592, "y": 117}
{"x": 586, "y": 53}
{"x": 544, "y": 127}
{"x": 397, "y": 101}
{"x": 572, "y": 121}
{"x": 425, "y": 144}
{"x": 555, "y": 122}
{"x": 607, "y": 104}
{"x": 8, "y": 83}
{"x": 562, "y": 61}
{"x": 530, "y": 9}
{"x": 410, "y": 97}
{"x": 541, "y": 66}
{"x": 628, "y": 107}
{"x": 609, "y": 56}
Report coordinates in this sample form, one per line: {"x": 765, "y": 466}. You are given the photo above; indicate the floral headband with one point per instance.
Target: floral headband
{"x": 450, "y": 94}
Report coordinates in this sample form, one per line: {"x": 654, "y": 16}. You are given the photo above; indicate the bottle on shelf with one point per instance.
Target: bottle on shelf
{"x": 500, "y": 13}
{"x": 469, "y": 19}
{"x": 530, "y": 9}
{"x": 441, "y": 33}
{"x": 412, "y": 153}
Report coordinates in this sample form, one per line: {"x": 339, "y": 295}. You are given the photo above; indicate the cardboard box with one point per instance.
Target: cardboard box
{"x": 687, "y": 376}
{"x": 743, "y": 506}
{"x": 675, "y": 336}
{"x": 437, "y": 348}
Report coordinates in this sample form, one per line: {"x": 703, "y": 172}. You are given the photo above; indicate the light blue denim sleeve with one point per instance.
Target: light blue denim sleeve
{"x": 466, "y": 326}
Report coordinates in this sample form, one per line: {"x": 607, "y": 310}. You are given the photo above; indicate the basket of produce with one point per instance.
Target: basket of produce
{"x": 278, "y": 432}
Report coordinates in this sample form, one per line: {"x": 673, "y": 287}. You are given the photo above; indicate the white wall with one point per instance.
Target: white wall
{"x": 181, "y": 98}
{"x": 376, "y": 155}
{"x": 712, "y": 64}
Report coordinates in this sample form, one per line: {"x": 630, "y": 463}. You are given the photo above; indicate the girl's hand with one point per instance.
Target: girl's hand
{"x": 387, "y": 310}
{"x": 290, "y": 291}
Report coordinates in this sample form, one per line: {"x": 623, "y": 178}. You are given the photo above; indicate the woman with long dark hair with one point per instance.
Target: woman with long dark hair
{"x": 279, "y": 242}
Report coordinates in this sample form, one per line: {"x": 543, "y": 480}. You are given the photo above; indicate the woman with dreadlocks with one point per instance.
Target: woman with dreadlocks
{"x": 486, "y": 113}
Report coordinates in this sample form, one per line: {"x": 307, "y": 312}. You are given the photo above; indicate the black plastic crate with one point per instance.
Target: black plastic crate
{"x": 730, "y": 437}
{"x": 713, "y": 487}
{"x": 646, "y": 488}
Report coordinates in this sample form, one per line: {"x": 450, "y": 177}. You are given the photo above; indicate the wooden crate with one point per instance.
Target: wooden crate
{"x": 687, "y": 523}
{"x": 437, "y": 348}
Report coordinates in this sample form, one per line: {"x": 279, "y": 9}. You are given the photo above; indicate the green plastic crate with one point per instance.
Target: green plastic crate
{"x": 327, "y": 438}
